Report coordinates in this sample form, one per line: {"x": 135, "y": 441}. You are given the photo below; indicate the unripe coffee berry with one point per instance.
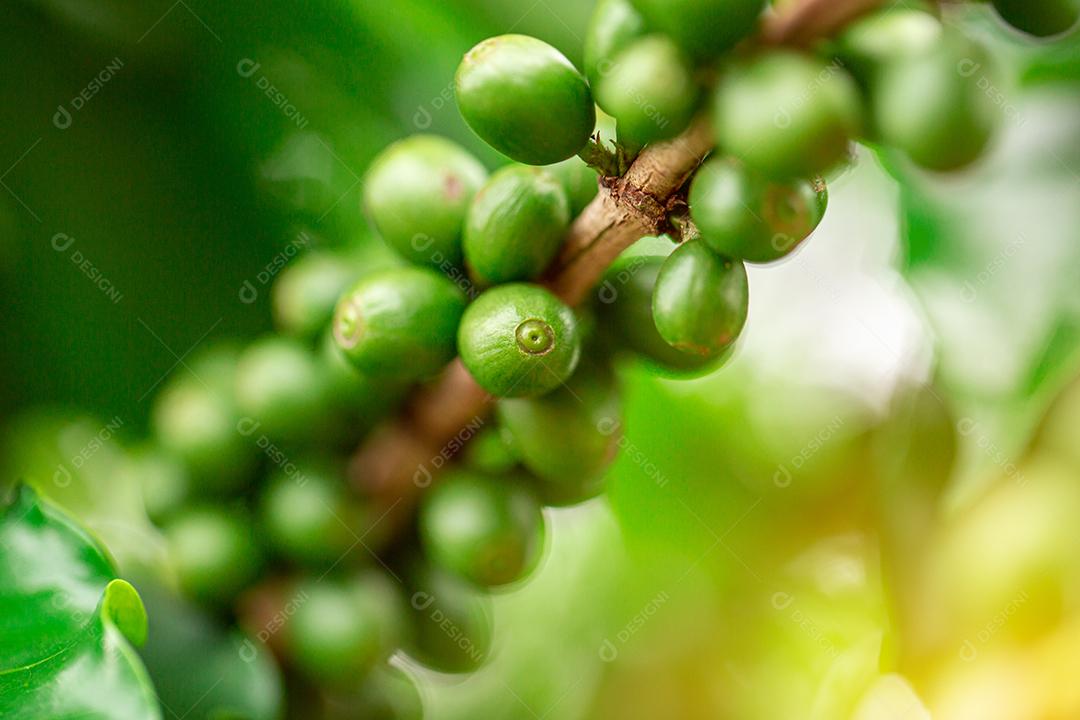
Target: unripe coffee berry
{"x": 516, "y": 225}
{"x": 342, "y": 628}
{"x": 306, "y": 292}
{"x": 614, "y": 25}
{"x": 568, "y": 437}
{"x": 892, "y": 34}
{"x": 929, "y": 106}
{"x": 280, "y": 385}
{"x": 743, "y": 215}
{"x": 416, "y": 194}
{"x": 649, "y": 88}
{"x": 625, "y": 304}
{"x": 213, "y": 552}
{"x": 195, "y": 419}
{"x": 307, "y": 514}
{"x": 787, "y": 115}
{"x": 519, "y": 340}
{"x": 484, "y": 529}
{"x": 700, "y": 301}
{"x": 440, "y": 599}
{"x": 525, "y": 99}
{"x": 400, "y": 323}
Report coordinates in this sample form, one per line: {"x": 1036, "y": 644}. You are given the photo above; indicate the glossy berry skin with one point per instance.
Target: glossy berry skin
{"x": 400, "y": 323}
{"x": 525, "y": 99}
{"x": 743, "y": 215}
{"x": 305, "y": 293}
{"x": 579, "y": 181}
{"x": 704, "y": 29}
{"x": 567, "y": 438}
{"x": 519, "y": 340}
{"x": 932, "y": 108}
{"x": 416, "y": 194}
{"x": 700, "y": 301}
{"x": 614, "y": 25}
{"x": 625, "y": 309}
{"x": 484, "y": 529}
{"x": 213, "y": 552}
{"x": 279, "y": 385}
{"x": 1041, "y": 18}
{"x": 452, "y": 618}
{"x": 649, "y": 88}
{"x": 307, "y": 515}
{"x": 787, "y": 115}
{"x": 342, "y": 628}
{"x": 515, "y": 225}
{"x": 195, "y": 419}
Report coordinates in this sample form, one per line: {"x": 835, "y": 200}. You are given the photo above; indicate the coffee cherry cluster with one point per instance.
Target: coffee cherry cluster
{"x": 248, "y": 478}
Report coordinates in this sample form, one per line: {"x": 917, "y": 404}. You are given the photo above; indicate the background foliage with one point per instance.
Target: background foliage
{"x": 733, "y": 495}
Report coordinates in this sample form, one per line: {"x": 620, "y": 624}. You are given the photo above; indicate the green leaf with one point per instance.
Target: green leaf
{"x": 67, "y": 625}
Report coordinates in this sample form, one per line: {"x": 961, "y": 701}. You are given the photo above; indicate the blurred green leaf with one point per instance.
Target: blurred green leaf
{"x": 66, "y": 624}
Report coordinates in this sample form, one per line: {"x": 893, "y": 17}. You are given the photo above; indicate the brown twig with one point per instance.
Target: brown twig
{"x": 810, "y": 20}
{"x": 394, "y": 464}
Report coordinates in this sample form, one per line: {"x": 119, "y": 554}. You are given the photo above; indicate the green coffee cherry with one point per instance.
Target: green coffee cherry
{"x": 625, "y": 298}
{"x": 307, "y": 514}
{"x": 525, "y": 99}
{"x": 342, "y": 628}
{"x": 700, "y": 301}
{"x": 484, "y": 529}
{"x": 933, "y": 108}
{"x": 743, "y": 215}
{"x": 649, "y": 87}
{"x": 516, "y": 225}
{"x": 1041, "y": 18}
{"x": 870, "y": 44}
{"x": 519, "y": 340}
{"x": 196, "y": 420}
{"x": 492, "y": 452}
{"x": 306, "y": 292}
{"x": 213, "y": 552}
{"x": 452, "y": 618}
{"x": 400, "y": 323}
{"x": 579, "y": 181}
{"x": 417, "y": 192}
{"x": 787, "y": 115}
{"x": 614, "y": 25}
{"x": 704, "y": 29}
{"x": 567, "y": 438}
{"x": 279, "y": 386}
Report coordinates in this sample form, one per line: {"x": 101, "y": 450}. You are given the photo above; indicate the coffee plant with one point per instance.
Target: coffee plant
{"x": 474, "y": 367}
